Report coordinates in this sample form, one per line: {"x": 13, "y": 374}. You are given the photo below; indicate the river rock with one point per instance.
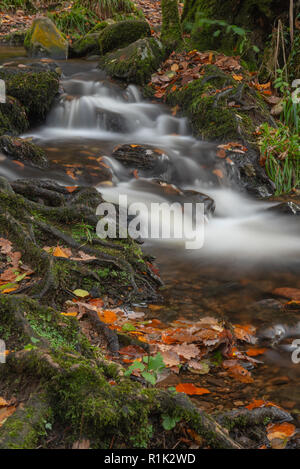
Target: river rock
{"x": 286, "y": 208}
{"x": 21, "y": 150}
{"x": 13, "y": 117}
{"x": 223, "y": 110}
{"x": 44, "y": 39}
{"x": 122, "y": 34}
{"x": 144, "y": 158}
{"x": 136, "y": 62}
{"x": 173, "y": 193}
{"x": 34, "y": 86}
{"x": 86, "y": 45}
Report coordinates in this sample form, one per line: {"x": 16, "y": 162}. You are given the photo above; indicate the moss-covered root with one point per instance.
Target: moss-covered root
{"x": 113, "y": 268}
{"x": 27, "y": 426}
{"x": 78, "y": 396}
{"x": 171, "y": 34}
{"x": 49, "y": 353}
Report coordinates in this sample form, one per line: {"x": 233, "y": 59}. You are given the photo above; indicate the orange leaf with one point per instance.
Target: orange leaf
{"x": 237, "y": 77}
{"x": 107, "y": 316}
{"x": 58, "y": 252}
{"x": 253, "y": 352}
{"x": 71, "y": 188}
{"x": 281, "y": 431}
{"x": 191, "y": 389}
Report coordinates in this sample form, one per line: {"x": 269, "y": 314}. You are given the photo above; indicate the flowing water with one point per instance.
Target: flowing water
{"x": 248, "y": 250}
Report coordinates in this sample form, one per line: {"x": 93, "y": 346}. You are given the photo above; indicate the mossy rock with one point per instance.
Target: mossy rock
{"x": 136, "y": 62}
{"x": 23, "y": 151}
{"x": 223, "y": 110}
{"x": 207, "y": 106}
{"x": 44, "y": 39}
{"x": 122, "y": 34}
{"x": 87, "y": 45}
{"x": 35, "y": 90}
{"x": 13, "y": 118}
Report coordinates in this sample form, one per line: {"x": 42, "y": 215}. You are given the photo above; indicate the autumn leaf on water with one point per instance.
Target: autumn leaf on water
{"x": 107, "y": 316}
{"x": 254, "y": 352}
{"x": 191, "y": 389}
{"x": 257, "y": 403}
{"x": 286, "y": 292}
{"x": 237, "y": 371}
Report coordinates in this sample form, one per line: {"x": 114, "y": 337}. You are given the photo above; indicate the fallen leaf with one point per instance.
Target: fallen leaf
{"x": 191, "y": 389}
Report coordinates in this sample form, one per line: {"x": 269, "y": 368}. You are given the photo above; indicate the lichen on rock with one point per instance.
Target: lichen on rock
{"x": 44, "y": 39}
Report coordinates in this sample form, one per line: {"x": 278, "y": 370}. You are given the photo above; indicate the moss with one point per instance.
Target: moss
{"x": 252, "y": 15}
{"x": 171, "y": 33}
{"x": 136, "y": 62}
{"x": 211, "y": 117}
{"x": 34, "y": 90}
{"x": 27, "y": 426}
{"x": 44, "y": 38}
{"x": 83, "y": 399}
{"x": 122, "y": 34}
{"x": 21, "y": 150}
{"x": 88, "y": 44}
{"x": 13, "y": 118}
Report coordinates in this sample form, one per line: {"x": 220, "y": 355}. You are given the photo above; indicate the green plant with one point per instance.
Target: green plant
{"x": 107, "y": 8}
{"x": 280, "y": 149}
{"x": 78, "y": 20}
{"x": 169, "y": 422}
{"x": 243, "y": 45}
{"x": 290, "y": 115}
{"x": 149, "y": 367}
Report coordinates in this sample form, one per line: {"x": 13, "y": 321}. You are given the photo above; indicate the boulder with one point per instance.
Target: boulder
{"x": 13, "y": 118}
{"x": 86, "y": 45}
{"x": 286, "y": 208}
{"x": 35, "y": 87}
{"x": 144, "y": 158}
{"x": 122, "y": 34}
{"x": 224, "y": 110}
{"x": 23, "y": 151}
{"x": 136, "y": 62}
{"x": 44, "y": 39}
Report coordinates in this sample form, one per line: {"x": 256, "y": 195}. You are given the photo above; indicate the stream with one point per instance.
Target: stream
{"x": 248, "y": 249}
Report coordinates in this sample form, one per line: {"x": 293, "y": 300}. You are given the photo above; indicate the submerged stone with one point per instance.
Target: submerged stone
{"x": 20, "y": 150}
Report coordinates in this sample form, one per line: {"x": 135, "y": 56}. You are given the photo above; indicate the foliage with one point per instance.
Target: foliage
{"x": 107, "y": 8}
{"x": 149, "y": 367}
{"x": 7, "y": 5}
{"x": 290, "y": 115}
{"x": 223, "y": 28}
{"x": 79, "y": 20}
{"x": 280, "y": 149}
